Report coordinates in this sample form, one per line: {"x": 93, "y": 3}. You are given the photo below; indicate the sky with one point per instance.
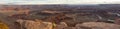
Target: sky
{"x": 59, "y": 1}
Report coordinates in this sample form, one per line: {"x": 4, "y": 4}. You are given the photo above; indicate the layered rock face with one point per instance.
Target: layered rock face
{"x": 94, "y": 25}
{"x": 98, "y": 25}
{"x": 29, "y": 24}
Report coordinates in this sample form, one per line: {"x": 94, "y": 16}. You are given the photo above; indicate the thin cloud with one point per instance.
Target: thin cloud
{"x": 59, "y": 1}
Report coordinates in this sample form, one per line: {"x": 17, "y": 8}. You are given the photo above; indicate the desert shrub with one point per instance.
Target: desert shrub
{"x": 3, "y": 26}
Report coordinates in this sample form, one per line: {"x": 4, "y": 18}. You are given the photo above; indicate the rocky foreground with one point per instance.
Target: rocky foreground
{"x": 29, "y": 24}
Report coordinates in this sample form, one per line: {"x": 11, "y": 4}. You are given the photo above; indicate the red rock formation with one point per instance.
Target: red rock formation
{"x": 29, "y": 24}
{"x": 98, "y": 25}
{"x": 117, "y": 20}
{"x": 19, "y": 16}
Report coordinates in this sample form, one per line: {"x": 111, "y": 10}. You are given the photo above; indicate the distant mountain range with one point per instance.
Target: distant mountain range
{"x": 66, "y": 7}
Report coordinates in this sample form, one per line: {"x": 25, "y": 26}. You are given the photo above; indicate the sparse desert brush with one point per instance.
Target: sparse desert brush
{"x": 3, "y": 26}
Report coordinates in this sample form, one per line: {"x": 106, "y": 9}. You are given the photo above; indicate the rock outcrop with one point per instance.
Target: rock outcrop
{"x": 29, "y": 24}
{"x": 98, "y": 25}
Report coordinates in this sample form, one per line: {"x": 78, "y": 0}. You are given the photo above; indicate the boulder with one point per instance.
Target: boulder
{"x": 29, "y": 24}
{"x": 98, "y": 25}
